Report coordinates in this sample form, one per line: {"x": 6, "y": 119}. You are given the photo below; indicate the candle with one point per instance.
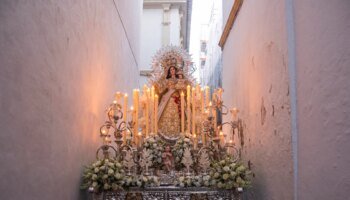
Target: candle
{"x": 136, "y": 107}
{"x": 152, "y": 109}
{"x": 214, "y": 111}
{"x": 220, "y": 94}
{"x": 210, "y": 108}
{"x": 117, "y": 97}
{"x": 182, "y": 113}
{"x": 147, "y": 111}
{"x": 128, "y": 134}
{"x": 132, "y": 113}
{"x": 188, "y": 104}
{"x": 139, "y": 140}
{"x": 194, "y": 141}
{"x": 152, "y": 91}
{"x": 125, "y": 115}
{"x": 202, "y": 101}
{"x": 156, "y": 113}
{"x": 193, "y": 111}
{"x": 222, "y": 139}
{"x": 207, "y": 97}
{"x": 115, "y": 109}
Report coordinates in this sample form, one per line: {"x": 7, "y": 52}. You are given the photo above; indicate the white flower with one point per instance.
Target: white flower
{"x": 225, "y": 176}
{"x": 94, "y": 177}
{"x": 94, "y": 184}
{"x": 98, "y": 163}
{"x": 106, "y": 186}
{"x": 226, "y": 168}
{"x": 206, "y": 183}
{"x": 181, "y": 179}
{"x": 206, "y": 178}
{"x": 96, "y": 170}
{"x": 110, "y": 172}
{"x": 118, "y": 176}
{"x": 118, "y": 165}
{"x": 138, "y": 183}
{"x": 144, "y": 179}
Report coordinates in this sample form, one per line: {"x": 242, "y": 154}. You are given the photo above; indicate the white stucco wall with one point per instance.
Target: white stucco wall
{"x": 255, "y": 80}
{"x": 322, "y": 30}
{"x": 286, "y": 67}
{"x": 61, "y": 62}
{"x": 175, "y": 26}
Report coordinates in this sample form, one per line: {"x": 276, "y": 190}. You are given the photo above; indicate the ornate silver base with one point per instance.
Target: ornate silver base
{"x": 171, "y": 193}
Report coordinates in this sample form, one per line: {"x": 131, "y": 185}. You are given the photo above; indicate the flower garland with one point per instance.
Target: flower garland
{"x": 179, "y": 149}
{"x": 193, "y": 181}
{"x": 156, "y": 147}
{"x": 141, "y": 181}
{"x": 227, "y": 174}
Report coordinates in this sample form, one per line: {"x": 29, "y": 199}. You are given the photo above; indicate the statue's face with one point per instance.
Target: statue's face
{"x": 167, "y": 148}
{"x": 172, "y": 71}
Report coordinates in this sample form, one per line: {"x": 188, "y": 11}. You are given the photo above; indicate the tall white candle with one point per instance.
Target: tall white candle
{"x": 182, "y": 113}
{"x": 152, "y": 113}
{"x": 193, "y": 111}
{"x": 117, "y": 97}
{"x": 207, "y": 96}
{"x": 125, "y": 115}
{"x": 156, "y": 113}
{"x": 147, "y": 111}
{"x": 188, "y": 104}
{"x": 136, "y": 107}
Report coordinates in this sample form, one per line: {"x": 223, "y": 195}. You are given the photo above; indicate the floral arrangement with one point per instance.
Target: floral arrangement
{"x": 156, "y": 147}
{"x": 179, "y": 149}
{"x": 193, "y": 181}
{"x": 109, "y": 175}
{"x": 227, "y": 174}
{"x": 104, "y": 175}
{"x": 141, "y": 181}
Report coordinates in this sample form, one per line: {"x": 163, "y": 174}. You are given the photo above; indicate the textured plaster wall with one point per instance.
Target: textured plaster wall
{"x": 255, "y": 80}
{"x": 61, "y": 62}
{"x": 322, "y": 30}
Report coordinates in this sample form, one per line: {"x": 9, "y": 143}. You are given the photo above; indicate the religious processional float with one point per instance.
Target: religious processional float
{"x": 169, "y": 144}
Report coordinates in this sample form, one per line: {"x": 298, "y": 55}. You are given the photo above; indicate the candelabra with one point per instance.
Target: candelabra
{"x": 117, "y": 127}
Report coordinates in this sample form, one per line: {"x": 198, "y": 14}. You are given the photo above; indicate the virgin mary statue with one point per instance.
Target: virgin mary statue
{"x": 171, "y": 75}
{"x": 169, "y": 115}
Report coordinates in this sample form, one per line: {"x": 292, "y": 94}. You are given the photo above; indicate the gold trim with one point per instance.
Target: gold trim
{"x": 229, "y": 23}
